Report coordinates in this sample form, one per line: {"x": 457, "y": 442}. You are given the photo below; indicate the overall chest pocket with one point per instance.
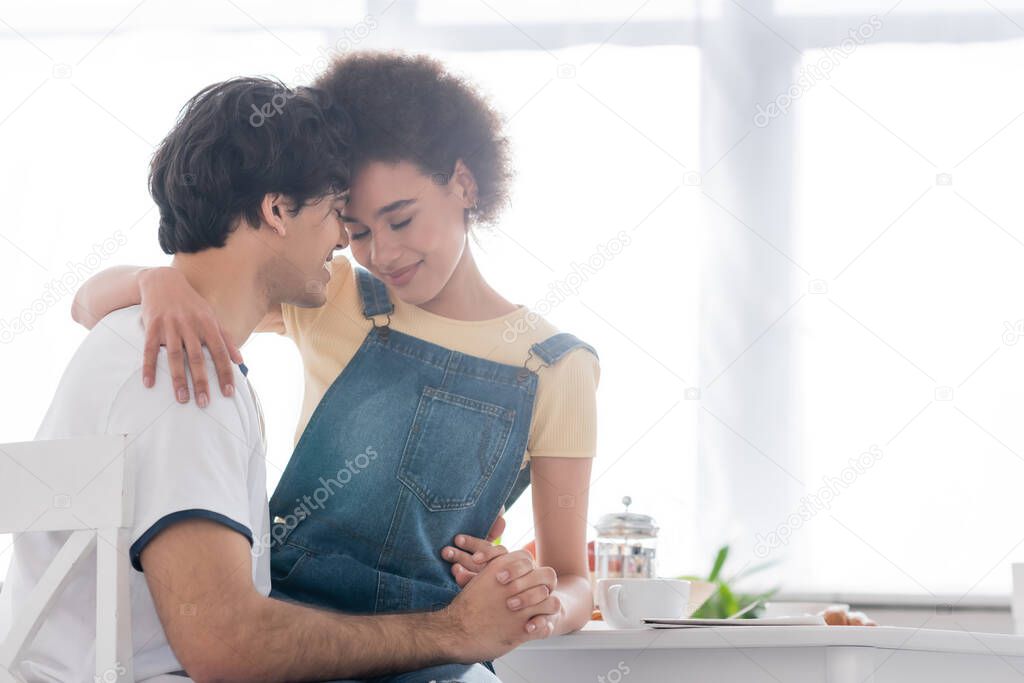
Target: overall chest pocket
{"x": 452, "y": 449}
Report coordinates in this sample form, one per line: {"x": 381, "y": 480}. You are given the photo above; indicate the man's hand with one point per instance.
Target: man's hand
{"x": 474, "y": 554}
{"x": 486, "y": 625}
{"x": 221, "y": 629}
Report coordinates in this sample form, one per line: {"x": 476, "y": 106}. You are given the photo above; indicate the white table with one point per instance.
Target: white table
{"x": 768, "y": 654}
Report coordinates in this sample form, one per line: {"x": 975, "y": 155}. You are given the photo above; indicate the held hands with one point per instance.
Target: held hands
{"x": 175, "y": 316}
{"x": 530, "y": 586}
{"x": 466, "y": 565}
{"x": 507, "y": 603}
{"x": 469, "y": 556}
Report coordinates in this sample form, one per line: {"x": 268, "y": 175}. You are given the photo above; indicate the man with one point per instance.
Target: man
{"x": 249, "y": 206}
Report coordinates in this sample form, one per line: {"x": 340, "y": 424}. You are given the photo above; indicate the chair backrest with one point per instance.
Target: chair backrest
{"x": 82, "y": 486}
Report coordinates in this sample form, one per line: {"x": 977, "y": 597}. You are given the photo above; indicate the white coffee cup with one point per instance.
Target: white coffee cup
{"x": 625, "y": 603}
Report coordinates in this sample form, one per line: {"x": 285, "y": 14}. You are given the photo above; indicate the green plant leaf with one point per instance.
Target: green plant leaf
{"x": 730, "y": 605}
{"x": 723, "y": 553}
{"x": 725, "y": 601}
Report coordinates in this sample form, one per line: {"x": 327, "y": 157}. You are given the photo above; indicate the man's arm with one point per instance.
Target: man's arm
{"x": 222, "y": 629}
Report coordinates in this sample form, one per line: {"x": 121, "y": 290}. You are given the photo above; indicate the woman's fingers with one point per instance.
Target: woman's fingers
{"x": 462, "y": 575}
{"x": 460, "y": 558}
{"x": 186, "y": 347}
{"x": 176, "y": 317}
{"x": 218, "y": 345}
{"x": 176, "y": 363}
{"x": 550, "y": 605}
{"x": 152, "y": 349}
{"x": 540, "y": 626}
{"x": 482, "y": 551}
{"x": 528, "y": 598}
{"x": 475, "y": 556}
{"x": 513, "y": 566}
{"x": 236, "y": 353}
{"x": 541, "y": 576}
{"x": 197, "y": 363}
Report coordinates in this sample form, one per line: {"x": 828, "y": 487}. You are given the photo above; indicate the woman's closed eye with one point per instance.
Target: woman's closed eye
{"x": 394, "y": 226}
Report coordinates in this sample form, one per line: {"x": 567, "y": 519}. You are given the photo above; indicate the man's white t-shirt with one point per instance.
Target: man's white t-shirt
{"x": 190, "y": 462}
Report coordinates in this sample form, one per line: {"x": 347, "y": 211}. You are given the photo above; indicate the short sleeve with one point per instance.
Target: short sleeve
{"x": 190, "y": 462}
{"x": 565, "y": 414}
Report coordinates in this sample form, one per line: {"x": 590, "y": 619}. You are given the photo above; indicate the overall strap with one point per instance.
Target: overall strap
{"x": 551, "y": 350}
{"x": 554, "y": 347}
{"x": 373, "y": 293}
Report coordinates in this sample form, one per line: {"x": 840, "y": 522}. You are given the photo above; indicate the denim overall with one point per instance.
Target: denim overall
{"x": 412, "y": 444}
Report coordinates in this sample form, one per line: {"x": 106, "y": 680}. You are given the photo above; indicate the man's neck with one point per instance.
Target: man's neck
{"x": 230, "y": 285}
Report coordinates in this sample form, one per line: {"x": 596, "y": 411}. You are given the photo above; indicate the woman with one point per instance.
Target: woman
{"x": 430, "y": 399}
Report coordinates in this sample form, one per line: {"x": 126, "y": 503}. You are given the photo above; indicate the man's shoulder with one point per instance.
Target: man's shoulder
{"x": 105, "y": 360}
{"x": 102, "y": 390}
{"x": 113, "y": 348}
{"x": 116, "y": 331}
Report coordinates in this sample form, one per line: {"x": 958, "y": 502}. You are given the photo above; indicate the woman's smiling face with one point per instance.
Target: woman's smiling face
{"x": 406, "y": 228}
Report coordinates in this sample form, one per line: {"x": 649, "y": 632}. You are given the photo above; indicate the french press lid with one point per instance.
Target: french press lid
{"x": 626, "y": 524}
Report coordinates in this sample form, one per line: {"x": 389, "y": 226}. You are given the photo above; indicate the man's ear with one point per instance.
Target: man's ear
{"x": 272, "y": 210}
{"x": 464, "y": 184}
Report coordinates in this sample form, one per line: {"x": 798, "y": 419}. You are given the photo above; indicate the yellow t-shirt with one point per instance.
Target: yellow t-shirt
{"x": 565, "y": 408}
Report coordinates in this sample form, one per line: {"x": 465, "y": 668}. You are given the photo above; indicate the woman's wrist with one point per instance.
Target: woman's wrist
{"x": 142, "y": 276}
{"x": 145, "y": 275}
{"x": 577, "y": 605}
{"x": 154, "y": 279}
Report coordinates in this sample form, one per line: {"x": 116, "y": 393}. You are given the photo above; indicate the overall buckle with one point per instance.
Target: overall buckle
{"x": 525, "y": 371}
{"x": 382, "y": 330}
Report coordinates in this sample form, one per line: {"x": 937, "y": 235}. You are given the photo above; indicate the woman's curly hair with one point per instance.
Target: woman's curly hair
{"x": 411, "y": 108}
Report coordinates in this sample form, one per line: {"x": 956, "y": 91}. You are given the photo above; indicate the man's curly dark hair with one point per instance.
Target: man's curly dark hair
{"x": 411, "y": 108}
{"x": 235, "y": 142}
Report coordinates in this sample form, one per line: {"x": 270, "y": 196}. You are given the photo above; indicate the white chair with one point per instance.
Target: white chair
{"x": 81, "y": 486}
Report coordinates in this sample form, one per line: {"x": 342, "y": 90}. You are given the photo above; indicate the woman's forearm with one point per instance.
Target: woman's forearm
{"x": 577, "y": 603}
{"x": 560, "y": 507}
{"x": 106, "y": 291}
